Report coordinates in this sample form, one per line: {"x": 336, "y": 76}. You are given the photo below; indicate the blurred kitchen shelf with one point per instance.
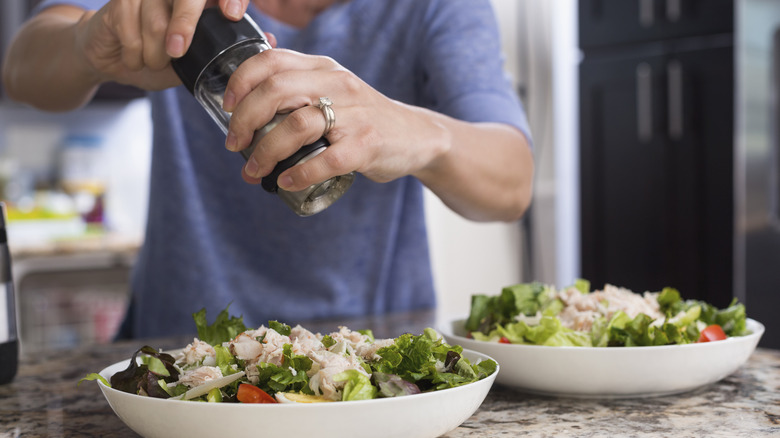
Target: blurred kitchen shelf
{"x": 70, "y": 308}
{"x": 97, "y": 244}
{"x": 72, "y": 292}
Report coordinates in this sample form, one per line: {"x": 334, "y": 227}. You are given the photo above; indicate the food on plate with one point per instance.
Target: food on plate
{"x": 227, "y": 362}
{"x": 539, "y": 314}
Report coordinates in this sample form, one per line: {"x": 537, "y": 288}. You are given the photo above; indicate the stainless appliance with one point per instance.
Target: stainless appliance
{"x": 757, "y": 163}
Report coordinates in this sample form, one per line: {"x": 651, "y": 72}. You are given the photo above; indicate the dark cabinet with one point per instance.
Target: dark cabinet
{"x": 656, "y": 139}
{"x": 604, "y": 23}
{"x": 623, "y": 173}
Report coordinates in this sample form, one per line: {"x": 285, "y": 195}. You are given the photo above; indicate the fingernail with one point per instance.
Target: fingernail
{"x": 233, "y": 9}
{"x": 231, "y": 141}
{"x": 252, "y": 167}
{"x": 175, "y": 46}
{"x": 228, "y": 101}
{"x": 284, "y": 181}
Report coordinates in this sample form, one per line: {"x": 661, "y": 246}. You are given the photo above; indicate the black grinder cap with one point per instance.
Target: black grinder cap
{"x": 214, "y": 34}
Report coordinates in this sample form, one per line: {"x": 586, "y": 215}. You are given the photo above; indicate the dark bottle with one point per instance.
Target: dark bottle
{"x": 9, "y": 343}
{"x": 218, "y": 47}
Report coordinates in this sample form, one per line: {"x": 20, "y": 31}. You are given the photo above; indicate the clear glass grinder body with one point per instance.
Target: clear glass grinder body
{"x": 219, "y": 46}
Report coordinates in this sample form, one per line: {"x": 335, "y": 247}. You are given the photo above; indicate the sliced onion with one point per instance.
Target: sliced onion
{"x": 208, "y": 386}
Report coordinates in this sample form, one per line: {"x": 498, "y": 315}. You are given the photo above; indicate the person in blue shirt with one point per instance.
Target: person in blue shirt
{"x": 420, "y": 98}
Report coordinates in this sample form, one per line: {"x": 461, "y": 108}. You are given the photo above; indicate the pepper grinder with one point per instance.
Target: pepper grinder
{"x": 218, "y": 47}
{"x": 9, "y": 344}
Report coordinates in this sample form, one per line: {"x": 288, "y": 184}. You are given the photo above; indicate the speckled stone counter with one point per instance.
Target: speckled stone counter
{"x": 44, "y": 400}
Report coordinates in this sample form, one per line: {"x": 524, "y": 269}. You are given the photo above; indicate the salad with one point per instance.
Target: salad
{"x": 539, "y": 314}
{"x": 227, "y": 362}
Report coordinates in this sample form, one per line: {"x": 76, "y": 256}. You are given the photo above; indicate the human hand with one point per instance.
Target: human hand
{"x": 381, "y": 138}
{"x": 132, "y": 41}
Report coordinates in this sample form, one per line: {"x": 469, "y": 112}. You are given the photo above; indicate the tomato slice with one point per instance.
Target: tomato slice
{"x": 712, "y": 333}
{"x": 504, "y": 340}
{"x": 252, "y": 394}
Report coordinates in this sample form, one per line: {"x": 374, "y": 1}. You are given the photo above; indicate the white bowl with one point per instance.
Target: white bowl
{"x": 612, "y": 371}
{"x": 425, "y": 415}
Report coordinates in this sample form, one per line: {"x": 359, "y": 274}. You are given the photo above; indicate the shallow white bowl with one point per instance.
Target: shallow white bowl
{"x": 425, "y": 415}
{"x": 611, "y": 372}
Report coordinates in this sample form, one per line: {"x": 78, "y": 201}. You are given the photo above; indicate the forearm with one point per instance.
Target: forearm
{"x": 44, "y": 66}
{"x": 485, "y": 173}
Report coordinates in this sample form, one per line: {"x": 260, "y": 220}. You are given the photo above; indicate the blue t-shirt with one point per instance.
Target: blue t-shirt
{"x": 212, "y": 240}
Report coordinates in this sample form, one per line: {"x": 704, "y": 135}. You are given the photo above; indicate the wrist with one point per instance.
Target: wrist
{"x": 438, "y": 146}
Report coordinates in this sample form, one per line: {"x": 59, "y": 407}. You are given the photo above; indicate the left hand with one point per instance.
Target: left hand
{"x": 379, "y": 137}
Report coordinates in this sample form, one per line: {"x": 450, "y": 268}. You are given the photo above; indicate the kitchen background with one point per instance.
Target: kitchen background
{"x": 653, "y": 120}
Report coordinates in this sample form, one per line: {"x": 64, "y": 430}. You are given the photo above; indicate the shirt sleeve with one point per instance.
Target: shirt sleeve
{"x": 84, "y": 4}
{"x": 463, "y": 66}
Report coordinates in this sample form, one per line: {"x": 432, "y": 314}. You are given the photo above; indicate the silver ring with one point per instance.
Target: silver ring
{"x": 327, "y": 111}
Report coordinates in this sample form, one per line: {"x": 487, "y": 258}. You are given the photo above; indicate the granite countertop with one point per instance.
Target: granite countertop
{"x": 45, "y": 401}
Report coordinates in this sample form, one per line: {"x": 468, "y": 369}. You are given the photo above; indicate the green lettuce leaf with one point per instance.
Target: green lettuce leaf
{"x": 94, "y": 376}
{"x": 358, "y": 386}
{"x": 521, "y": 299}
{"x": 582, "y": 285}
{"x": 428, "y": 362}
{"x": 328, "y": 341}
{"x": 641, "y": 331}
{"x": 280, "y": 327}
{"x": 548, "y": 332}
{"x": 225, "y": 360}
{"x": 290, "y": 377}
{"x": 552, "y": 333}
{"x": 733, "y": 319}
{"x": 670, "y": 301}
{"x": 225, "y": 327}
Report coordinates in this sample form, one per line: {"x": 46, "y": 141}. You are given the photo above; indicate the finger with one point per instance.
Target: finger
{"x": 299, "y": 128}
{"x": 271, "y": 39}
{"x": 333, "y": 161}
{"x": 233, "y": 9}
{"x": 184, "y": 18}
{"x": 276, "y": 95}
{"x": 264, "y": 65}
{"x": 249, "y": 179}
{"x": 126, "y": 19}
{"x": 281, "y": 93}
{"x": 155, "y": 16}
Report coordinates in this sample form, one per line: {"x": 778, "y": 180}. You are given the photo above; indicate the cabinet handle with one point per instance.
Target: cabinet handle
{"x": 644, "y": 102}
{"x": 673, "y": 10}
{"x": 646, "y": 12}
{"x": 774, "y": 136}
{"x": 675, "y": 74}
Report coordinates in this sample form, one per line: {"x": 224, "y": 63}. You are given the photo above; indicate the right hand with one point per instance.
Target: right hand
{"x": 132, "y": 42}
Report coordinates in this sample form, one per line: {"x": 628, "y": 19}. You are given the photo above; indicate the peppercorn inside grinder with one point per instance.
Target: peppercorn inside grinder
{"x": 218, "y": 47}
